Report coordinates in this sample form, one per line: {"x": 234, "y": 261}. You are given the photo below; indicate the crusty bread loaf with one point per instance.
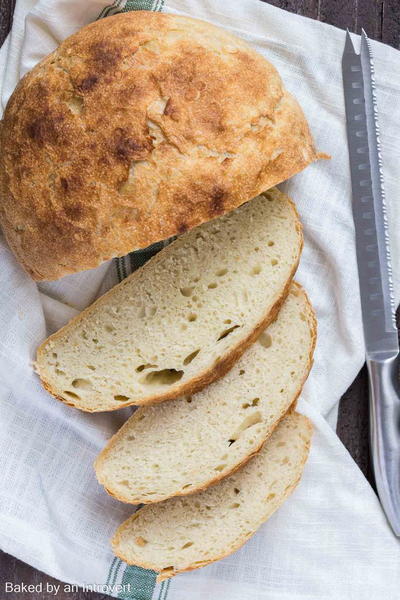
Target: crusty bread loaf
{"x": 181, "y": 534}
{"x": 184, "y": 318}
{"x": 139, "y": 127}
{"x": 186, "y": 444}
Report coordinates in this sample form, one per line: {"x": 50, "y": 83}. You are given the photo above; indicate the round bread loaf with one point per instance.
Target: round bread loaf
{"x": 139, "y": 127}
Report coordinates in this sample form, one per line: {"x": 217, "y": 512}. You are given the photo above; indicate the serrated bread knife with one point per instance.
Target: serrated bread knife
{"x": 375, "y": 275}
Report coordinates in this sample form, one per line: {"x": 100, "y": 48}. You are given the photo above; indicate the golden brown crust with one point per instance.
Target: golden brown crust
{"x": 222, "y": 366}
{"x": 139, "y": 127}
{"x": 162, "y": 576}
{"x": 103, "y": 454}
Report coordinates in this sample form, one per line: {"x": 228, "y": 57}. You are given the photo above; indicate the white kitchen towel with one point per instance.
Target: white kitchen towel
{"x": 330, "y": 540}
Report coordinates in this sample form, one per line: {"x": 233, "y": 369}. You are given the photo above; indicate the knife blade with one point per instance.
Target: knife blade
{"x": 369, "y": 209}
{"x": 375, "y": 272}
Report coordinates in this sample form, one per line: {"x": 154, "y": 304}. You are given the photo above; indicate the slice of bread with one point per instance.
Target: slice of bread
{"x": 181, "y": 534}
{"x": 189, "y": 443}
{"x": 183, "y": 319}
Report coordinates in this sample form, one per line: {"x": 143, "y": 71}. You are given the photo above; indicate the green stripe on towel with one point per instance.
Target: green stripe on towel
{"x": 140, "y": 583}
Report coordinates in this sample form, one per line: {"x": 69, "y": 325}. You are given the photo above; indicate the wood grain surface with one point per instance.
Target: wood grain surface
{"x": 381, "y": 20}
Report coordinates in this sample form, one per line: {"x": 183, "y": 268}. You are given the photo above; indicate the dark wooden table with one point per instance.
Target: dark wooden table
{"x": 381, "y": 20}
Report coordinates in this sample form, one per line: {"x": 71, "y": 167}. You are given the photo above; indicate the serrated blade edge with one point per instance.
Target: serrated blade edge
{"x": 367, "y": 65}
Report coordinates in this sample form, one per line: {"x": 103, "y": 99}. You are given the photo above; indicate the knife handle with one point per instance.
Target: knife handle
{"x": 385, "y": 435}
